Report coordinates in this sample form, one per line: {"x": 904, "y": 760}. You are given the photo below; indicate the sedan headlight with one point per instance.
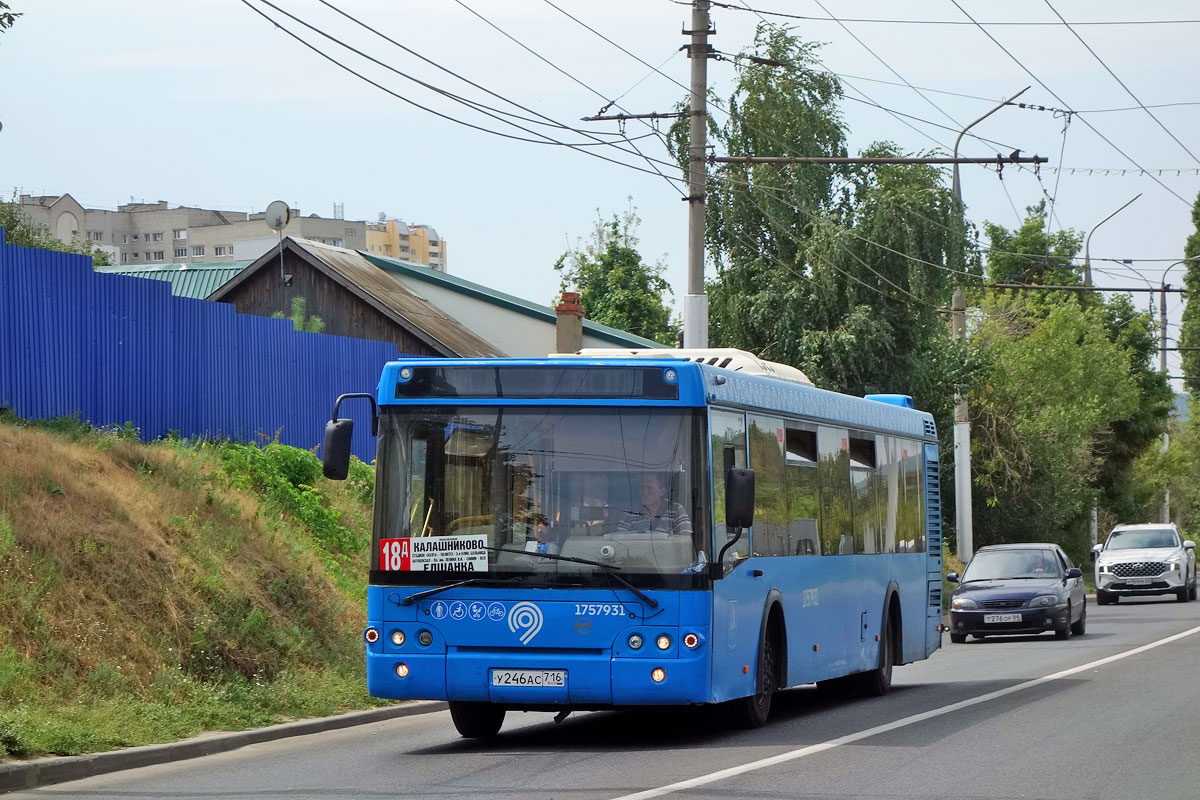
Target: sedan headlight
{"x": 964, "y": 602}
{"x": 1043, "y": 600}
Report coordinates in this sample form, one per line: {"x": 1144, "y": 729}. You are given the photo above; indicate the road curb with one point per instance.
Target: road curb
{"x": 43, "y": 771}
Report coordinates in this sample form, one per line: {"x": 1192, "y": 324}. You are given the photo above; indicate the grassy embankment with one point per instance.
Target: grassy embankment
{"x": 152, "y": 592}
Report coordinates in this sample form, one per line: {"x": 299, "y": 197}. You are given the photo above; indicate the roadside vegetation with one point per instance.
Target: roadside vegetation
{"x": 151, "y": 592}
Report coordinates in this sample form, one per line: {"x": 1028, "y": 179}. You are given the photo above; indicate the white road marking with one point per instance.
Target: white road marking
{"x": 792, "y": 755}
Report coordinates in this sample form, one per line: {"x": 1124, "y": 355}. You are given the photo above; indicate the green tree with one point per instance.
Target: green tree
{"x": 1055, "y": 383}
{"x": 20, "y": 230}
{"x": 616, "y": 287}
{"x": 1189, "y": 331}
{"x": 1070, "y": 400}
{"x": 837, "y": 270}
{"x": 300, "y": 321}
{"x": 1031, "y": 254}
{"x": 7, "y": 16}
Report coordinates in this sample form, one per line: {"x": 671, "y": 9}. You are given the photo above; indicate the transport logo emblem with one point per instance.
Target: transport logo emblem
{"x": 528, "y": 618}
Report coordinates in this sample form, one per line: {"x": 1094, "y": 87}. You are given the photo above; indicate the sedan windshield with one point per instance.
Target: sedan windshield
{"x": 554, "y": 495}
{"x": 991, "y": 565}
{"x": 1133, "y": 540}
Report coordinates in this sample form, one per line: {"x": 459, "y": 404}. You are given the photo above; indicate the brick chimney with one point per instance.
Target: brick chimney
{"x": 568, "y": 329}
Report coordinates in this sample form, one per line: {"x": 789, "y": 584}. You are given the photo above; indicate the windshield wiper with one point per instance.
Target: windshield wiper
{"x": 612, "y": 570}
{"x": 412, "y": 598}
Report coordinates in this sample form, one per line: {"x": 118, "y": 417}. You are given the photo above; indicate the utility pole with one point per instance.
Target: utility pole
{"x": 963, "y": 517}
{"x": 1164, "y": 514}
{"x": 695, "y": 303}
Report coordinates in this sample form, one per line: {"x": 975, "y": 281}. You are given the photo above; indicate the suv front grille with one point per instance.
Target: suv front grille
{"x": 1138, "y": 569}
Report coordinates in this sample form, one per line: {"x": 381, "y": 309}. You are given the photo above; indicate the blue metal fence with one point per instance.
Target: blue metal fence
{"x": 112, "y": 349}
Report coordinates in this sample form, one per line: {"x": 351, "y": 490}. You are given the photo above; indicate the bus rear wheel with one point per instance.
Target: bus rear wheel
{"x": 476, "y": 720}
{"x": 752, "y": 712}
{"x": 878, "y": 681}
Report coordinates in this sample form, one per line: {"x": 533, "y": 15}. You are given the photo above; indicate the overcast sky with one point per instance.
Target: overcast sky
{"x": 206, "y": 103}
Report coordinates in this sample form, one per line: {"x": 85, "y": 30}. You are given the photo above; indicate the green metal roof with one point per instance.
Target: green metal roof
{"x": 197, "y": 279}
{"x": 478, "y": 291}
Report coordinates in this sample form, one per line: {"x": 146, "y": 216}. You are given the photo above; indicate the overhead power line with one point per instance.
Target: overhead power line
{"x": 1129, "y": 91}
{"x": 1041, "y": 83}
{"x": 1030, "y": 24}
{"x": 542, "y": 139}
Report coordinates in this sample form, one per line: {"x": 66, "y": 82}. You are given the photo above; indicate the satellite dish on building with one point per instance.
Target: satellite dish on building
{"x": 278, "y": 215}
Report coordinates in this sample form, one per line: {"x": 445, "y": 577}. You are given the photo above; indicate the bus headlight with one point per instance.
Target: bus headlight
{"x": 691, "y": 641}
{"x": 398, "y": 638}
{"x": 371, "y": 635}
{"x": 402, "y": 670}
{"x": 658, "y": 675}
{"x": 425, "y": 638}
{"x": 635, "y": 641}
{"x": 663, "y": 641}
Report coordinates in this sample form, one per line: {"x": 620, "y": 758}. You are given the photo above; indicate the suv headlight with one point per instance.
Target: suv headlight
{"x": 1103, "y": 569}
{"x": 1043, "y": 600}
{"x": 964, "y": 602}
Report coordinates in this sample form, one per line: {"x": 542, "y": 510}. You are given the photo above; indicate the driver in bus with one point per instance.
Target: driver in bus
{"x": 658, "y": 514}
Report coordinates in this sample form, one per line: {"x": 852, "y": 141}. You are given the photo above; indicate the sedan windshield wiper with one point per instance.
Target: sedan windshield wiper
{"x": 613, "y": 571}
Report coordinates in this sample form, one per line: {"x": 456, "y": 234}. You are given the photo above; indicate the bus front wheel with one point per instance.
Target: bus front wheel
{"x": 476, "y": 720}
{"x": 752, "y": 712}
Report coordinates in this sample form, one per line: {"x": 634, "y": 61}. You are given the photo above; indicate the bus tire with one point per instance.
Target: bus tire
{"x": 476, "y": 720}
{"x": 878, "y": 682}
{"x": 751, "y": 712}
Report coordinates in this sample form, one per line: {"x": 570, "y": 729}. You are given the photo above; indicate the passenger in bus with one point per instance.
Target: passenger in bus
{"x": 658, "y": 513}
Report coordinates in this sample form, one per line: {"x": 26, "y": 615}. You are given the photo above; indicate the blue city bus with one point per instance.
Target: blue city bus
{"x": 580, "y": 533}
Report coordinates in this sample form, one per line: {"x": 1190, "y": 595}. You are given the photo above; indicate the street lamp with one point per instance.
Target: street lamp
{"x": 1164, "y": 514}
{"x": 962, "y": 425}
{"x": 1087, "y": 260}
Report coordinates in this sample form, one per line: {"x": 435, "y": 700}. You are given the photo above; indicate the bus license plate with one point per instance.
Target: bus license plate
{"x": 529, "y": 677}
{"x": 990, "y": 618}
{"x": 1139, "y": 581}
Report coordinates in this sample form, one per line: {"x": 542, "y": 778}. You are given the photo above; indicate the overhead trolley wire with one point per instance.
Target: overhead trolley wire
{"x": 1129, "y": 91}
{"x": 671, "y": 181}
{"x": 1093, "y": 128}
{"x": 942, "y": 21}
{"x": 544, "y": 140}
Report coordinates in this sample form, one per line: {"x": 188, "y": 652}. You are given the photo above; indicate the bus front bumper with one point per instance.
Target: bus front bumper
{"x": 592, "y": 680}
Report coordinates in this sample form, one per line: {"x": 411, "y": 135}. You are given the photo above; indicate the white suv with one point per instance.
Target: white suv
{"x": 1145, "y": 559}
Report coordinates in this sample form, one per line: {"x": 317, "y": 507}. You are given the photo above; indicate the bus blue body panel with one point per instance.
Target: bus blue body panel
{"x": 833, "y": 605}
{"x": 475, "y": 631}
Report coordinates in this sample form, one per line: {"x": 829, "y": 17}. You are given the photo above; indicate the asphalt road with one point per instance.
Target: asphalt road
{"x": 1108, "y": 715}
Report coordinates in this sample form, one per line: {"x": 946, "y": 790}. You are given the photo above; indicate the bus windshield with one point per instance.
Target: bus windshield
{"x": 533, "y": 491}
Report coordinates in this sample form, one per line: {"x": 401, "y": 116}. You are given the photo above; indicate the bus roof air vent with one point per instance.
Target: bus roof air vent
{"x": 721, "y": 357}
{"x": 902, "y": 400}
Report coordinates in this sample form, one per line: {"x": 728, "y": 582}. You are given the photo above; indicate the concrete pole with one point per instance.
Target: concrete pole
{"x": 695, "y": 304}
{"x": 962, "y": 420}
{"x": 1164, "y": 514}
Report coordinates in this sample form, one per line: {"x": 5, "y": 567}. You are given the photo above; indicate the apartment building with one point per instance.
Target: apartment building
{"x": 392, "y": 238}
{"x": 141, "y": 234}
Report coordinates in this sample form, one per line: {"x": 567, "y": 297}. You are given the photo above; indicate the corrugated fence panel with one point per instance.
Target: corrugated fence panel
{"x": 114, "y": 349}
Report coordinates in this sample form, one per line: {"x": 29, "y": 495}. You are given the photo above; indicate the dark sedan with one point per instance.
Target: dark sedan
{"x": 1018, "y": 589}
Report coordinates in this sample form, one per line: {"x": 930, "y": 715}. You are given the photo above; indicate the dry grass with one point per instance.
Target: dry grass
{"x": 125, "y": 568}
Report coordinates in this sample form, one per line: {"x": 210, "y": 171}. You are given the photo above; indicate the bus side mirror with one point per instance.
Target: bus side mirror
{"x": 335, "y": 453}
{"x": 739, "y": 498}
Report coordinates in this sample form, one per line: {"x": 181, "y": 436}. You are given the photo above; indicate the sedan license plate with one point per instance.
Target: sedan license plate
{"x": 990, "y": 618}
{"x": 529, "y": 677}
{"x": 1138, "y": 581}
